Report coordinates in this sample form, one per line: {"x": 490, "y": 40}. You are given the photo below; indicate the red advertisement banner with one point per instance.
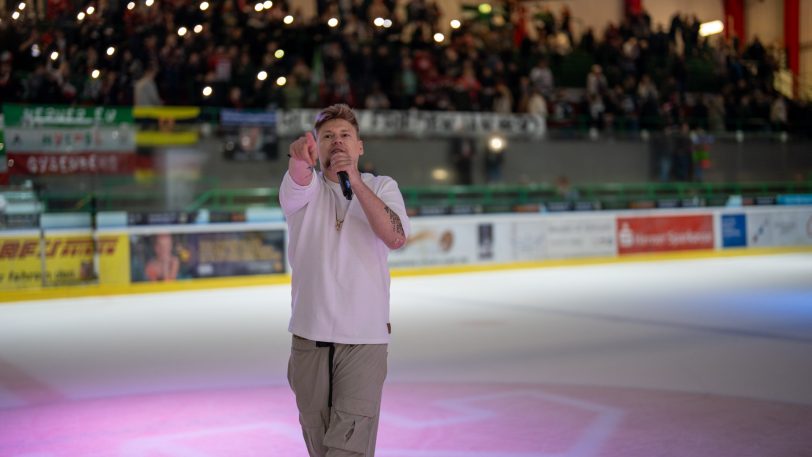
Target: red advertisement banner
{"x": 664, "y": 233}
{"x": 71, "y": 163}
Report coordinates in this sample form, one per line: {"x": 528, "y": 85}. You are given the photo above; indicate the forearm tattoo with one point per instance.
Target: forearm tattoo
{"x": 394, "y": 219}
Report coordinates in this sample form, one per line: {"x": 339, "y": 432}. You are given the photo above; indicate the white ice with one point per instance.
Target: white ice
{"x": 733, "y": 326}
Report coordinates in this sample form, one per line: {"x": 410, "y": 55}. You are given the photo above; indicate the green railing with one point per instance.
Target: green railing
{"x": 498, "y": 198}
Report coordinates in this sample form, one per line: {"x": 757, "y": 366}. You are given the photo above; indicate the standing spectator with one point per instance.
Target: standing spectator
{"x": 683, "y": 154}
{"x": 494, "y": 160}
{"x": 536, "y": 105}
{"x": 701, "y": 154}
{"x": 376, "y": 100}
{"x": 463, "y": 160}
{"x": 542, "y": 78}
{"x": 596, "y": 83}
{"x": 293, "y": 94}
{"x": 10, "y": 86}
{"x": 778, "y": 114}
{"x": 145, "y": 91}
{"x": 716, "y": 113}
{"x": 503, "y": 103}
{"x": 661, "y": 147}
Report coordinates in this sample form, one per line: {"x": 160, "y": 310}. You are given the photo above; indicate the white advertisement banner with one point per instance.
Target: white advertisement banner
{"x": 422, "y": 123}
{"x": 445, "y": 242}
{"x": 527, "y": 240}
{"x": 562, "y": 237}
{"x": 779, "y": 228}
{"x": 69, "y": 140}
{"x": 570, "y": 237}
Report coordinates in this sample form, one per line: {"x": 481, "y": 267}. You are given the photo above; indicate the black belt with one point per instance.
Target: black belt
{"x": 330, "y": 355}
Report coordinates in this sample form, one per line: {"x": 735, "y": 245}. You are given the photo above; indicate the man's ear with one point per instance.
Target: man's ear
{"x": 360, "y": 148}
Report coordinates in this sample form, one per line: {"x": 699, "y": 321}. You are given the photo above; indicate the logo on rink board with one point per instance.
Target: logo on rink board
{"x": 664, "y": 233}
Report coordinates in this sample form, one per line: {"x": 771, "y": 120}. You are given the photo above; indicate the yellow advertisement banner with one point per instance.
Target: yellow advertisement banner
{"x": 63, "y": 259}
{"x": 166, "y": 125}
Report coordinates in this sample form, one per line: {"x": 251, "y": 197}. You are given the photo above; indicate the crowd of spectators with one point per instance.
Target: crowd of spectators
{"x": 517, "y": 59}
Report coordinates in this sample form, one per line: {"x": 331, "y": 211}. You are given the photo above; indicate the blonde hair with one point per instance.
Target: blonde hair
{"x": 337, "y": 111}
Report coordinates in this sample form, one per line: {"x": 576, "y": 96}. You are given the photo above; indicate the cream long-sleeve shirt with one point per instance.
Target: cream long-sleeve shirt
{"x": 340, "y": 278}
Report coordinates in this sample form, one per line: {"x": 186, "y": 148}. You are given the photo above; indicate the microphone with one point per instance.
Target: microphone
{"x": 344, "y": 180}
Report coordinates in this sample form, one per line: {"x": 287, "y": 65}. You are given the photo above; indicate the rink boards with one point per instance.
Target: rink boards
{"x": 64, "y": 260}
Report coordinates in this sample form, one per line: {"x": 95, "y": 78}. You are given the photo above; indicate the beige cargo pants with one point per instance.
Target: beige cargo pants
{"x": 338, "y": 420}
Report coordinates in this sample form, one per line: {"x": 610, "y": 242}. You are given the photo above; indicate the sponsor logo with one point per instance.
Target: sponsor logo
{"x": 21, "y": 249}
{"x": 670, "y": 233}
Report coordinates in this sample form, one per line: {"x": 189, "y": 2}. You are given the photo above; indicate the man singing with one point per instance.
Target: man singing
{"x": 341, "y": 224}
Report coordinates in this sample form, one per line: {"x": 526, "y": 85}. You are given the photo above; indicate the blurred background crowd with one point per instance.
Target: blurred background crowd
{"x": 630, "y": 76}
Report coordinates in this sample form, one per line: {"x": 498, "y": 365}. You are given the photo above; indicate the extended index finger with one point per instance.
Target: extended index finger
{"x": 311, "y": 147}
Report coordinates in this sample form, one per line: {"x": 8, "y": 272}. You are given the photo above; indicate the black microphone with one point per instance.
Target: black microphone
{"x": 344, "y": 180}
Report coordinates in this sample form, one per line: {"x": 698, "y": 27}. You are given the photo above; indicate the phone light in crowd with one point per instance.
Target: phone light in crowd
{"x": 90, "y": 10}
{"x": 267, "y": 4}
{"x": 204, "y": 6}
{"x": 485, "y": 8}
{"x": 262, "y": 75}
{"x": 111, "y": 50}
{"x": 21, "y": 6}
{"x": 35, "y": 52}
{"x": 131, "y": 6}
{"x": 279, "y": 53}
{"x": 182, "y": 31}
{"x": 281, "y": 81}
{"x": 54, "y": 55}
{"x": 259, "y": 7}
{"x": 378, "y": 22}
{"x": 95, "y": 74}
{"x": 149, "y": 2}
{"x": 16, "y": 15}
{"x": 80, "y": 16}
{"x": 288, "y": 19}
{"x": 711, "y": 28}
{"x": 439, "y": 174}
{"x": 332, "y": 22}
{"x": 387, "y": 23}
{"x": 496, "y": 144}
{"x": 207, "y": 91}
{"x": 439, "y": 37}
{"x": 455, "y": 23}
{"x": 198, "y": 28}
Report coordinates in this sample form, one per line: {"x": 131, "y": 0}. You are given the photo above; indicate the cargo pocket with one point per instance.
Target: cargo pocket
{"x": 350, "y": 425}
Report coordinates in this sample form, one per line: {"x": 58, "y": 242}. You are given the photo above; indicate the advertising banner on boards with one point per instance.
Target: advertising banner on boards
{"x": 734, "y": 230}
{"x": 664, "y": 233}
{"x": 441, "y": 241}
{"x": 67, "y": 259}
{"x": 779, "y": 228}
{"x": 563, "y": 237}
{"x": 173, "y": 256}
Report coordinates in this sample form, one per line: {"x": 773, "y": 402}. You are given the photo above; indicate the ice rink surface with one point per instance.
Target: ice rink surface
{"x": 670, "y": 358}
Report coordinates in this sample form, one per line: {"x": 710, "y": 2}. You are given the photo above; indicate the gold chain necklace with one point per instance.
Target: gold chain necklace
{"x": 339, "y": 222}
